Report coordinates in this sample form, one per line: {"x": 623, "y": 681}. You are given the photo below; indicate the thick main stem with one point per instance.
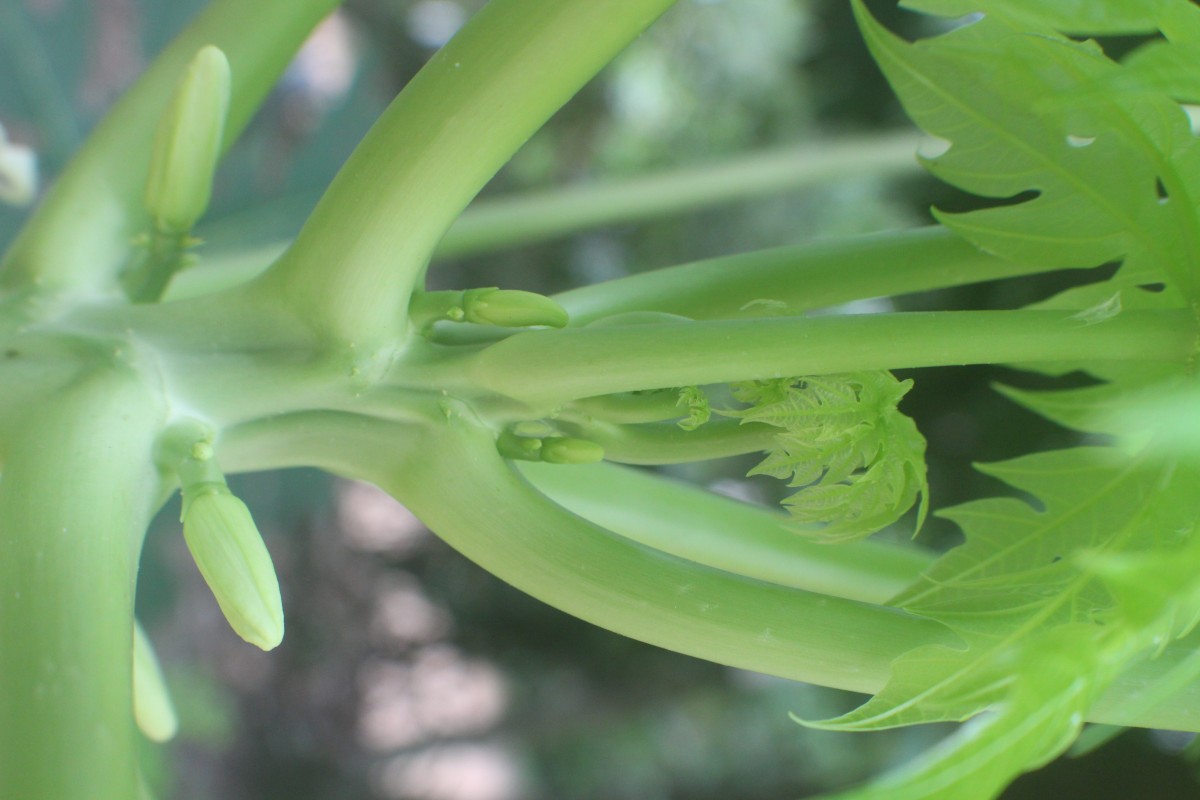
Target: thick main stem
{"x": 76, "y": 493}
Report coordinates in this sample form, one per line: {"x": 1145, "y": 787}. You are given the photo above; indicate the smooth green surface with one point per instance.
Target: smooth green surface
{"x": 507, "y": 222}
{"x": 515, "y": 533}
{"x": 727, "y": 534}
{"x": 547, "y": 368}
{"x": 77, "y": 493}
{"x": 791, "y": 280}
{"x": 498, "y": 222}
{"x": 351, "y": 270}
{"x": 316, "y": 363}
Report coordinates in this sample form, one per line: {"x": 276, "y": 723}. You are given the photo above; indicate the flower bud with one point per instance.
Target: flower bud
{"x": 187, "y": 144}
{"x": 566, "y": 450}
{"x": 230, "y": 554}
{"x": 522, "y": 448}
{"x": 152, "y": 707}
{"x": 511, "y": 308}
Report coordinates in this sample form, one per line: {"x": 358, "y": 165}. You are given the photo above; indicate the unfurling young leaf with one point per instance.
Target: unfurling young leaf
{"x": 695, "y": 401}
{"x": 859, "y": 463}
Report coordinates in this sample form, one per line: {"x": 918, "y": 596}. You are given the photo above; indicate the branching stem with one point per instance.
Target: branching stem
{"x": 354, "y": 265}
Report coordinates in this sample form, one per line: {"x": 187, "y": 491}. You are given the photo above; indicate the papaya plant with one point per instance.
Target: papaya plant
{"x": 490, "y": 412}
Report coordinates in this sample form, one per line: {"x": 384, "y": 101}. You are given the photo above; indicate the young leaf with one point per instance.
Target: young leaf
{"x": 695, "y": 401}
{"x": 857, "y": 460}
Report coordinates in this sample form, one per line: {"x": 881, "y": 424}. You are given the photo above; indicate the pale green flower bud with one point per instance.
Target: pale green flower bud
{"x": 188, "y": 143}
{"x": 512, "y": 308}
{"x": 523, "y": 448}
{"x": 231, "y": 556}
{"x": 152, "y": 707}
{"x": 566, "y": 450}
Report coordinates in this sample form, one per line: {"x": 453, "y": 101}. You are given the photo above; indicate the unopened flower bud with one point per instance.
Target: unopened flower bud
{"x": 566, "y": 450}
{"x": 512, "y": 308}
{"x": 522, "y": 448}
{"x": 230, "y": 554}
{"x": 187, "y": 144}
{"x": 152, "y": 707}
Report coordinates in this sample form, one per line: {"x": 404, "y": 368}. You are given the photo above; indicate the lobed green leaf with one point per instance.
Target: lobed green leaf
{"x": 857, "y": 460}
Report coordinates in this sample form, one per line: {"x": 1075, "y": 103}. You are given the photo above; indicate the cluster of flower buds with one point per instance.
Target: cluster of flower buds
{"x": 551, "y": 449}
{"x": 489, "y": 305}
{"x": 511, "y": 308}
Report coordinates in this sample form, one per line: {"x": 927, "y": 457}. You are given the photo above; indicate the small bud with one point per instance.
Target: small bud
{"x": 231, "y": 556}
{"x": 565, "y": 450}
{"x": 187, "y": 144}
{"x": 522, "y": 448}
{"x": 511, "y": 308}
{"x": 152, "y": 707}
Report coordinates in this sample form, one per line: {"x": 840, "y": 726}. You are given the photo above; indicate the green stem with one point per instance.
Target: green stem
{"x": 726, "y": 534}
{"x": 795, "y": 279}
{"x": 673, "y": 518}
{"x": 500, "y": 222}
{"x": 340, "y": 442}
{"x": 80, "y": 235}
{"x": 77, "y": 492}
{"x": 547, "y": 368}
{"x": 155, "y": 263}
{"x": 491, "y": 225}
{"x": 353, "y": 266}
{"x": 474, "y": 500}
{"x": 667, "y": 443}
{"x": 653, "y": 406}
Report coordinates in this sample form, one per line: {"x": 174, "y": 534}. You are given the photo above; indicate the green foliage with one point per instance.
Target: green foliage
{"x": 858, "y": 462}
{"x": 1021, "y": 115}
{"x": 693, "y": 400}
{"x": 1053, "y": 597}
{"x": 338, "y": 357}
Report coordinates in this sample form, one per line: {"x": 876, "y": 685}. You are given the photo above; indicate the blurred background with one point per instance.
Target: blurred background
{"x": 407, "y": 672}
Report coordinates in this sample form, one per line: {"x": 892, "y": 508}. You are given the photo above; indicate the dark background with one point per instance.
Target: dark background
{"x": 407, "y": 672}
